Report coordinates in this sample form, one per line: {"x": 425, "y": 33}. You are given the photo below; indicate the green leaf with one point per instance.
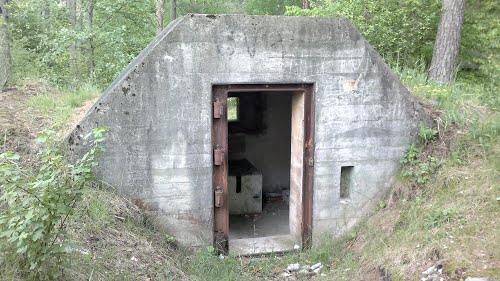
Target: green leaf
{"x": 37, "y": 235}
{"x": 22, "y": 250}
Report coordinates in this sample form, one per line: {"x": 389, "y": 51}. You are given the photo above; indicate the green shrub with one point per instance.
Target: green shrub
{"x": 438, "y": 217}
{"x": 427, "y": 134}
{"x": 35, "y": 207}
{"x": 415, "y": 169}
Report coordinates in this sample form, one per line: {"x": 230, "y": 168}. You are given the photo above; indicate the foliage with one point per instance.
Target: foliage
{"x": 271, "y": 7}
{"x": 35, "y": 207}
{"x": 61, "y": 51}
{"x": 480, "y": 43}
{"x": 427, "y": 134}
{"x": 404, "y": 31}
{"x": 400, "y": 30}
{"x": 411, "y": 155}
{"x": 203, "y": 6}
{"x": 418, "y": 170}
{"x": 45, "y": 44}
{"x": 439, "y": 216}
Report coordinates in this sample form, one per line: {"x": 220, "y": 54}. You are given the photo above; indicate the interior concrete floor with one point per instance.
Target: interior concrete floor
{"x": 272, "y": 221}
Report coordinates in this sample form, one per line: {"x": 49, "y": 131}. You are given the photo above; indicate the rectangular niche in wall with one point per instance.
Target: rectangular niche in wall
{"x": 345, "y": 181}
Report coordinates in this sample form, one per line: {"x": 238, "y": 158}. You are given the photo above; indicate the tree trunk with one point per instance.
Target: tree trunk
{"x": 447, "y": 45}
{"x": 173, "y": 10}
{"x": 5, "y": 58}
{"x": 71, "y": 9}
{"x": 91, "y": 40}
{"x": 305, "y": 4}
{"x": 159, "y": 16}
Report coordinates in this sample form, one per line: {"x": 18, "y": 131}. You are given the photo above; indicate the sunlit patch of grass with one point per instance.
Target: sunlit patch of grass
{"x": 58, "y": 106}
{"x": 81, "y": 95}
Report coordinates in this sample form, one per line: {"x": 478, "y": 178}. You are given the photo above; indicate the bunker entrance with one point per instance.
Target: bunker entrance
{"x": 259, "y": 131}
{"x": 260, "y": 176}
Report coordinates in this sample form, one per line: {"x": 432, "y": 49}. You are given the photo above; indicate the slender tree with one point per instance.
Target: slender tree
{"x": 447, "y": 45}
{"x": 5, "y": 58}
{"x": 91, "y": 61}
{"x": 159, "y": 16}
{"x": 305, "y": 4}
{"x": 173, "y": 10}
{"x": 71, "y": 10}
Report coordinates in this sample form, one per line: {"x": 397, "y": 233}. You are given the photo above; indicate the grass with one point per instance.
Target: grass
{"x": 118, "y": 242}
{"x": 58, "y": 106}
{"x": 205, "y": 265}
{"x": 450, "y": 219}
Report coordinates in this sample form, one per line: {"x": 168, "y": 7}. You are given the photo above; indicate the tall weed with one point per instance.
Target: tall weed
{"x": 35, "y": 206}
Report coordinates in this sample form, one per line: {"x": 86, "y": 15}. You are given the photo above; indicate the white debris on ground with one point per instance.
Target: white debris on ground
{"x": 70, "y": 249}
{"x": 296, "y": 268}
{"x": 293, "y": 267}
{"x": 433, "y": 273}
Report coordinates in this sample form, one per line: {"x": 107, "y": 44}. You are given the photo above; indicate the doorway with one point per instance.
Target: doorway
{"x": 262, "y": 174}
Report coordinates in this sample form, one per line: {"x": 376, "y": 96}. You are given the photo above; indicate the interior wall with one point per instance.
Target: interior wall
{"x": 269, "y": 149}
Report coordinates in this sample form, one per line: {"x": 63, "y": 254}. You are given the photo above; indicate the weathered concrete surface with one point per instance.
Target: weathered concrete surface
{"x": 159, "y": 114}
{"x": 261, "y": 245}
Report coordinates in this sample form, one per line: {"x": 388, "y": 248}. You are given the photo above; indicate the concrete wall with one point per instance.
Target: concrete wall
{"x": 159, "y": 114}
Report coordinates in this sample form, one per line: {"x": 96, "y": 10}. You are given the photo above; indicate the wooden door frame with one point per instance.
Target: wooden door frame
{"x": 220, "y": 172}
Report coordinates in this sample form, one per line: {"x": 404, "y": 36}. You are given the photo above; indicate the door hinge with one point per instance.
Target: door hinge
{"x": 218, "y": 109}
{"x": 218, "y": 197}
{"x": 218, "y": 156}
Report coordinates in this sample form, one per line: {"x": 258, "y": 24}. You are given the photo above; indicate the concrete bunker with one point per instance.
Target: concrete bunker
{"x": 254, "y": 133}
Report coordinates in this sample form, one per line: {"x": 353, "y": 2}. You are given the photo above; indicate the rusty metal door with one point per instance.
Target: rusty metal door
{"x": 220, "y": 169}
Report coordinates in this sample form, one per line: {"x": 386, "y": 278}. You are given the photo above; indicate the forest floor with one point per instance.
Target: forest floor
{"x": 19, "y": 124}
{"x": 450, "y": 222}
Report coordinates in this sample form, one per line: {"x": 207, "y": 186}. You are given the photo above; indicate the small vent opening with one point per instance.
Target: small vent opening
{"x": 233, "y": 109}
{"x": 345, "y": 181}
